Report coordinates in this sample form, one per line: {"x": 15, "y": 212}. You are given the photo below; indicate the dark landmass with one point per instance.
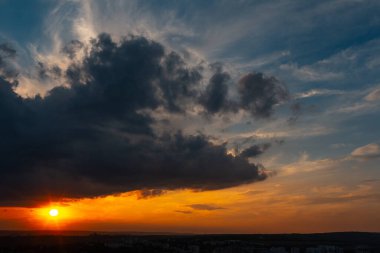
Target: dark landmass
{"x": 85, "y": 241}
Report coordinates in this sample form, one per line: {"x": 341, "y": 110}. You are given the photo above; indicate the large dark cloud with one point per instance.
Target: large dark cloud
{"x": 215, "y": 97}
{"x": 96, "y": 136}
{"x": 259, "y": 94}
{"x": 178, "y": 82}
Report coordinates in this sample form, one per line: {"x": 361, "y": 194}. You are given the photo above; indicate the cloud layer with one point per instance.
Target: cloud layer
{"x": 97, "y": 134}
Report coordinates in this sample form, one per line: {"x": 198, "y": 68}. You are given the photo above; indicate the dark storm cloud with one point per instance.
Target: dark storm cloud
{"x": 215, "y": 98}
{"x": 259, "y": 94}
{"x": 178, "y": 82}
{"x": 97, "y": 137}
{"x": 255, "y": 150}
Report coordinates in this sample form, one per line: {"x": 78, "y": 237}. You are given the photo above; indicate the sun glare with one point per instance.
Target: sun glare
{"x": 53, "y": 212}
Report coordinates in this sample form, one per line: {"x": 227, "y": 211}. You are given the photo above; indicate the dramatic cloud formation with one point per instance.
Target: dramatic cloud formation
{"x": 258, "y": 94}
{"x": 97, "y": 135}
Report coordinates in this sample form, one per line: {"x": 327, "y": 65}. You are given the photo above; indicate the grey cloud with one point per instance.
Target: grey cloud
{"x": 46, "y": 72}
{"x": 259, "y": 94}
{"x": 343, "y": 199}
{"x": 205, "y": 207}
{"x": 95, "y": 137}
{"x": 279, "y": 141}
{"x": 150, "y": 193}
{"x": 7, "y": 52}
{"x": 72, "y": 48}
{"x": 296, "y": 109}
{"x": 184, "y": 211}
{"x": 254, "y": 192}
{"x": 255, "y": 150}
{"x": 215, "y": 98}
{"x": 178, "y": 82}
{"x": 370, "y": 181}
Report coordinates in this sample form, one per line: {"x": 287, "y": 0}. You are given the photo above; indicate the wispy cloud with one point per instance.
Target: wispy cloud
{"x": 374, "y": 95}
{"x": 311, "y": 73}
{"x": 319, "y": 92}
{"x": 205, "y": 207}
{"x": 369, "y": 151}
{"x": 305, "y": 164}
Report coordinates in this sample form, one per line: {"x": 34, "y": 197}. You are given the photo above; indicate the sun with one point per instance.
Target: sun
{"x": 53, "y": 212}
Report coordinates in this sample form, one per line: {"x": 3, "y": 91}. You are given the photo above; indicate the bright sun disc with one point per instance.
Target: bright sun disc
{"x": 53, "y": 212}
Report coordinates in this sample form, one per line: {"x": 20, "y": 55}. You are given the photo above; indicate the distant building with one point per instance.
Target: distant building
{"x": 261, "y": 250}
{"x": 233, "y": 249}
{"x": 324, "y": 249}
{"x": 278, "y": 250}
{"x": 362, "y": 249}
{"x": 312, "y": 250}
{"x": 194, "y": 248}
{"x": 114, "y": 245}
{"x": 294, "y": 250}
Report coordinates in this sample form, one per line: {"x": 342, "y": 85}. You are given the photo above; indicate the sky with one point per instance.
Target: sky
{"x": 190, "y": 116}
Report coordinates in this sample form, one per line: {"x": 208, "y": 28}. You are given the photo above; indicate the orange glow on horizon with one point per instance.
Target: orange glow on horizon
{"x": 54, "y": 216}
{"x": 265, "y": 207}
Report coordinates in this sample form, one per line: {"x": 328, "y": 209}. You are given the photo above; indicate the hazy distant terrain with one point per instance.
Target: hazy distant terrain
{"x": 82, "y": 241}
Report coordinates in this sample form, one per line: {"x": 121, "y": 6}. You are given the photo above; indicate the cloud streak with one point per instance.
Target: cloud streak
{"x": 369, "y": 151}
{"x": 205, "y": 207}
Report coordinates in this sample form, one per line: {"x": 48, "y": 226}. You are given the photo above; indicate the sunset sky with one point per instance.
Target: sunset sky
{"x": 190, "y": 116}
